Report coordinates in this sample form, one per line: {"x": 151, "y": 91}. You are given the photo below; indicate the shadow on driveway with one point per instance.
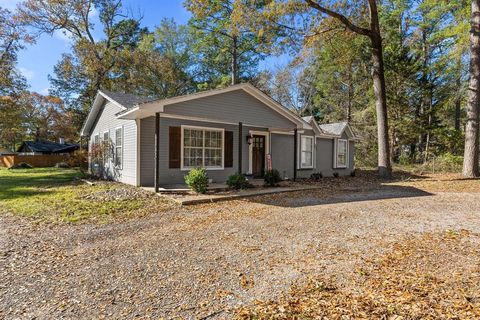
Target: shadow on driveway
{"x": 319, "y": 197}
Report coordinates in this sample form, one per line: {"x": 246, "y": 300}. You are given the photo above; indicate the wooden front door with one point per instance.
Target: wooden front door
{"x": 258, "y": 156}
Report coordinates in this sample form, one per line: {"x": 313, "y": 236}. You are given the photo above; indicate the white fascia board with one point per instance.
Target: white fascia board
{"x": 97, "y": 103}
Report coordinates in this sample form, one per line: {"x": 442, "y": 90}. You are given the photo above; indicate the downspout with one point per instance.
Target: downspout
{"x": 157, "y": 151}
{"x": 240, "y": 144}
{"x": 295, "y": 147}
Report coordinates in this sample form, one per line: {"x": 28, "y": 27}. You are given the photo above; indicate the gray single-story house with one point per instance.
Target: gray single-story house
{"x": 235, "y": 129}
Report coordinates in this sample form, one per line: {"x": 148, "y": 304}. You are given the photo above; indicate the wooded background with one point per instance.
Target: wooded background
{"x": 425, "y": 48}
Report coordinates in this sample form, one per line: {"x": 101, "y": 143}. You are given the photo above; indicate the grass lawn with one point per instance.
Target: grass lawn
{"x": 50, "y": 194}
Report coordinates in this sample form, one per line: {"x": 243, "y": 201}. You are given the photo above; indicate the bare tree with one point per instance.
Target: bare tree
{"x": 470, "y": 162}
{"x": 378, "y": 75}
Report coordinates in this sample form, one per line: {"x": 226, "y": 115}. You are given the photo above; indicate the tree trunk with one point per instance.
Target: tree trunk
{"x": 235, "y": 61}
{"x": 378, "y": 74}
{"x": 470, "y": 162}
{"x": 458, "y": 101}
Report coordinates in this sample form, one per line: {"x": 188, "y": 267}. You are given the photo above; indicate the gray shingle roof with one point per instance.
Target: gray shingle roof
{"x": 333, "y": 128}
{"x": 126, "y": 99}
{"x": 47, "y": 147}
{"x": 307, "y": 119}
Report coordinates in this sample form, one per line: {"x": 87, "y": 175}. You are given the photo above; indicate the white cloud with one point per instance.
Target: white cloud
{"x": 44, "y": 92}
{"x": 9, "y": 4}
{"x": 27, "y": 73}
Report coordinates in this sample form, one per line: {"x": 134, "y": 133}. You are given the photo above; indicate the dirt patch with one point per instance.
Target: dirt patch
{"x": 123, "y": 193}
{"x": 433, "y": 276}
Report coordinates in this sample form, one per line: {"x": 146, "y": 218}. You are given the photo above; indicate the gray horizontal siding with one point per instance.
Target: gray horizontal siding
{"x": 176, "y": 176}
{"x": 234, "y": 106}
{"x": 281, "y": 148}
{"x": 107, "y": 121}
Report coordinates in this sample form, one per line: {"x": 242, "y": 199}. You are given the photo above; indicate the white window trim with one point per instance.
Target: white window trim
{"x": 346, "y": 153}
{"x": 106, "y": 158}
{"x": 182, "y": 165}
{"x": 96, "y": 139}
{"x": 120, "y": 166}
{"x": 252, "y": 133}
{"x": 312, "y": 139}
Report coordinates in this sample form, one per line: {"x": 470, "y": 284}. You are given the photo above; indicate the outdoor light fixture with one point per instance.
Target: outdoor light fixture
{"x": 249, "y": 139}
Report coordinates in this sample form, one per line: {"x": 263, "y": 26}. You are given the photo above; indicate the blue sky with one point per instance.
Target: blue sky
{"x": 37, "y": 60}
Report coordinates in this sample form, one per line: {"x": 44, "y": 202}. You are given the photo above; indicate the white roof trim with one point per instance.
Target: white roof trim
{"x": 92, "y": 114}
{"x": 150, "y": 108}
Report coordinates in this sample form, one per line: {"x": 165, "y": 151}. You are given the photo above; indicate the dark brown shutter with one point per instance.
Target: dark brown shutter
{"x": 174, "y": 146}
{"x": 228, "y": 149}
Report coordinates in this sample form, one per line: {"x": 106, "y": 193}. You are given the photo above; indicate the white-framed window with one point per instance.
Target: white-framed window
{"x": 342, "y": 153}
{"x": 306, "y": 151}
{"x": 106, "y": 145}
{"x": 119, "y": 147}
{"x": 96, "y": 139}
{"x": 202, "y": 147}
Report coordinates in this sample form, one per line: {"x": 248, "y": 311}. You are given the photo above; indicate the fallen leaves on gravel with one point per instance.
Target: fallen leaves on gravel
{"x": 433, "y": 276}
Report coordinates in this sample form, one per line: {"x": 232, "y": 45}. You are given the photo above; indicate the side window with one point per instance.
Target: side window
{"x": 119, "y": 147}
{"x": 106, "y": 146}
{"x": 342, "y": 153}
{"x": 306, "y": 151}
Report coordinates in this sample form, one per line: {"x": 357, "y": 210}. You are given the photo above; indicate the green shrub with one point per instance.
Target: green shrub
{"x": 237, "y": 181}
{"x": 272, "y": 177}
{"x": 404, "y": 160}
{"x": 197, "y": 180}
{"x": 316, "y": 176}
{"x": 448, "y": 162}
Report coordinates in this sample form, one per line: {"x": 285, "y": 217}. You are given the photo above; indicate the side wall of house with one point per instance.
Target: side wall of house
{"x": 107, "y": 122}
{"x": 282, "y": 156}
{"x": 232, "y": 107}
{"x": 176, "y": 176}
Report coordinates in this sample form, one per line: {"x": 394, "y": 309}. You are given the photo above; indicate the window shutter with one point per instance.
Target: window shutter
{"x": 228, "y": 149}
{"x": 174, "y": 145}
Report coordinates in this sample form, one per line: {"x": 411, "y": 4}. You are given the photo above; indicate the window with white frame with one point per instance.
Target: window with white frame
{"x": 119, "y": 147}
{"x": 306, "y": 151}
{"x": 342, "y": 153}
{"x": 96, "y": 140}
{"x": 202, "y": 147}
{"x": 106, "y": 146}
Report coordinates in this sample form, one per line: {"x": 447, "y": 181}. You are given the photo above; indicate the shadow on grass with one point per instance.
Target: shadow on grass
{"x": 32, "y": 182}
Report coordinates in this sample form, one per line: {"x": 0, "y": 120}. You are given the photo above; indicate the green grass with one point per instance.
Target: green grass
{"x": 53, "y": 195}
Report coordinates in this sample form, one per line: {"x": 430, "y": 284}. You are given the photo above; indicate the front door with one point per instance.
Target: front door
{"x": 258, "y": 156}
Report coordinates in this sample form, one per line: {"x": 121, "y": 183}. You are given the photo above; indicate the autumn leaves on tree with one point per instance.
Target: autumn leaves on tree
{"x": 397, "y": 70}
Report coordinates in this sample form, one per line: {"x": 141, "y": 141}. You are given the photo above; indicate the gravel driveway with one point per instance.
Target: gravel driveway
{"x": 204, "y": 261}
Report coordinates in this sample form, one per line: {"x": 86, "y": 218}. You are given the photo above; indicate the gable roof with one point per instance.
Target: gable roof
{"x": 338, "y": 128}
{"x": 124, "y": 101}
{"x": 149, "y": 108}
{"x": 335, "y": 128}
{"x": 47, "y": 147}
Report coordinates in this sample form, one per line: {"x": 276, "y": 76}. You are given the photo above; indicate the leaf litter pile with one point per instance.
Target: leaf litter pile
{"x": 431, "y": 276}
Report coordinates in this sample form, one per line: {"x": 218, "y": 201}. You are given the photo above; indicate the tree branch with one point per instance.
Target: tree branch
{"x": 339, "y": 17}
